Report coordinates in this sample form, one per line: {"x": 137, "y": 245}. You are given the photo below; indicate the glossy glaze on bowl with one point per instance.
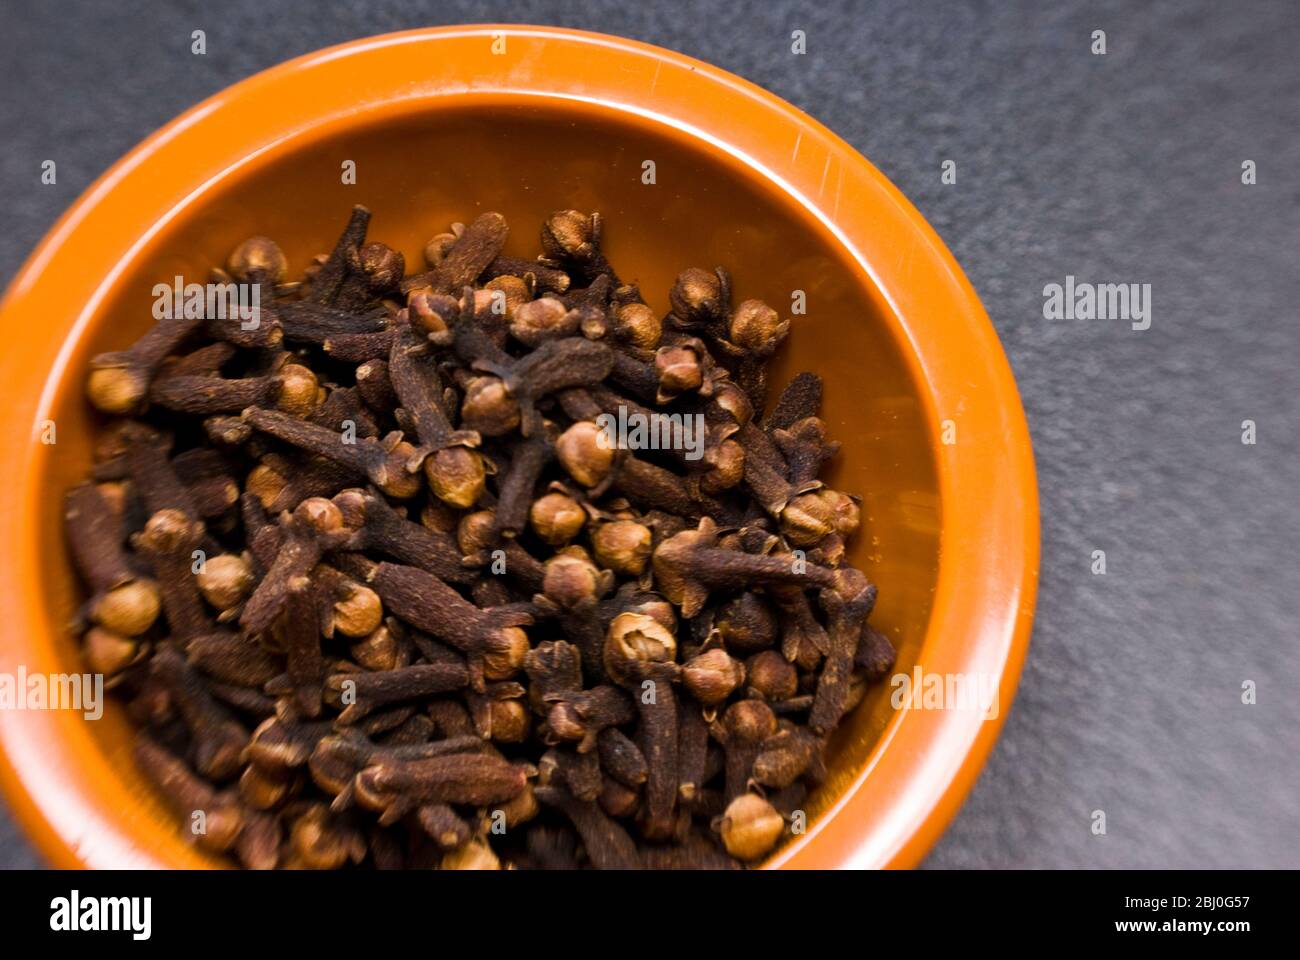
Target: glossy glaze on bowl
{"x": 440, "y": 130}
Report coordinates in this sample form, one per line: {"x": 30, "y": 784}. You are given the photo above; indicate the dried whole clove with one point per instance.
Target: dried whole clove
{"x": 391, "y": 531}
{"x": 712, "y": 676}
{"x": 264, "y": 789}
{"x": 384, "y": 463}
{"x": 329, "y": 279}
{"x": 315, "y": 525}
{"x": 305, "y": 322}
{"x": 572, "y": 237}
{"x": 119, "y": 381}
{"x": 848, "y": 603}
{"x": 168, "y": 542}
{"x": 394, "y": 786}
{"x": 572, "y": 587}
{"x": 750, "y": 827}
{"x": 608, "y": 845}
{"x": 689, "y": 564}
{"x": 204, "y": 395}
{"x": 121, "y": 602}
{"x": 300, "y": 635}
{"x": 583, "y": 452}
{"x": 258, "y": 847}
{"x": 699, "y": 300}
{"x": 467, "y": 258}
{"x": 219, "y": 740}
{"x": 516, "y": 485}
{"x": 375, "y": 526}
{"x": 692, "y": 753}
{"x": 639, "y": 655}
{"x": 362, "y": 693}
{"x": 187, "y": 794}
{"x": 622, "y": 546}
{"x": 418, "y": 390}
{"x": 742, "y": 731}
{"x": 151, "y": 471}
{"x": 492, "y": 639}
{"x": 556, "y": 517}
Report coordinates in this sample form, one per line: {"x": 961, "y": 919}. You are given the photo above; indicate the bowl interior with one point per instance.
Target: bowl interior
{"x": 422, "y": 168}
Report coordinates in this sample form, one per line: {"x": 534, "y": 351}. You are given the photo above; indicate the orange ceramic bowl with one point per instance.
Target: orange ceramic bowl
{"x": 442, "y": 124}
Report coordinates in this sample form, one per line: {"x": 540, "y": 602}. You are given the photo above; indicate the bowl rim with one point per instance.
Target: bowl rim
{"x": 923, "y": 765}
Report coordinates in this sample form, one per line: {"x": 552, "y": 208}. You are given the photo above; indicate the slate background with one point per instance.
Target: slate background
{"x": 1122, "y": 168}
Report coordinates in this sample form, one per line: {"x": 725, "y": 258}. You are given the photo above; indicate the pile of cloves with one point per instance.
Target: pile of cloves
{"x": 378, "y": 588}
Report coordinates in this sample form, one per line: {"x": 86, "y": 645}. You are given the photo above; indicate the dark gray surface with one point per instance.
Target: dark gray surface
{"x": 1122, "y": 168}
